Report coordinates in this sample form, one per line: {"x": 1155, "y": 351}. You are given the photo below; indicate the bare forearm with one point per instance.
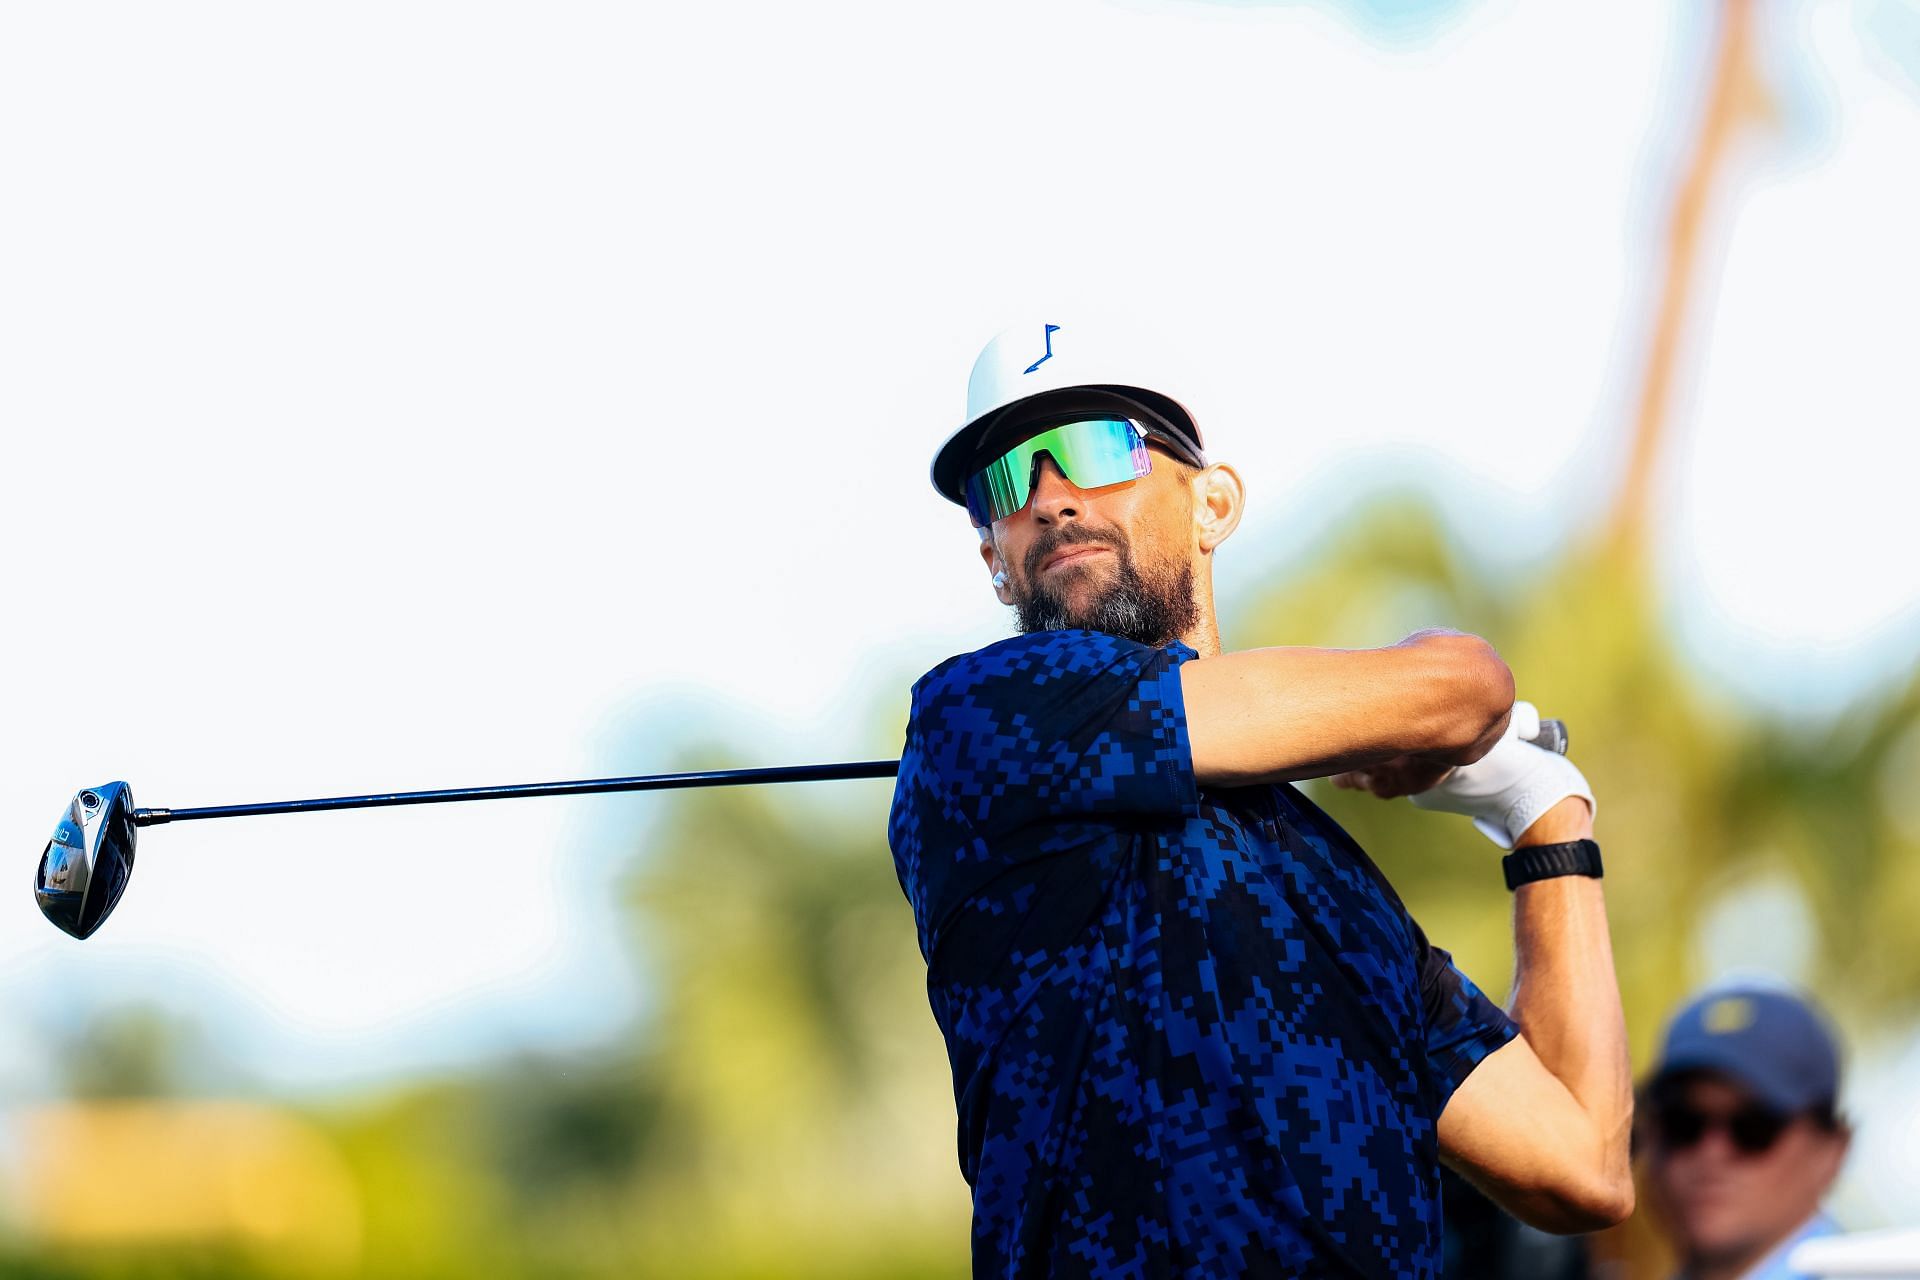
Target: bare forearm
{"x": 1566, "y": 998}
{"x": 1272, "y": 715}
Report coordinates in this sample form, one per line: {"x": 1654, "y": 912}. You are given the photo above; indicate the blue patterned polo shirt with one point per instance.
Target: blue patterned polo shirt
{"x": 1193, "y": 1030}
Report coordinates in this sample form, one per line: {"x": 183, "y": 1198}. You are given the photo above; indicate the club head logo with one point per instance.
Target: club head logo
{"x": 1051, "y": 330}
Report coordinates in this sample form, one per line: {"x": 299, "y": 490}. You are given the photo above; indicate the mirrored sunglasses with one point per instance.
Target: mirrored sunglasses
{"x": 1091, "y": 454}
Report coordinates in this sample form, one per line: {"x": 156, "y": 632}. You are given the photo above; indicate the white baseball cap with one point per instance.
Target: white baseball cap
{"x": 1042, "y": 369}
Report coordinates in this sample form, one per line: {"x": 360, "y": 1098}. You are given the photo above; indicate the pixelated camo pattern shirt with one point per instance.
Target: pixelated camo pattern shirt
{"x": 1193, "y": 1031}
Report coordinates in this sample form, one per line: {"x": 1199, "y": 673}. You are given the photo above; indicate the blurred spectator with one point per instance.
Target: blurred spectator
{"x": 1741, "y": 1135}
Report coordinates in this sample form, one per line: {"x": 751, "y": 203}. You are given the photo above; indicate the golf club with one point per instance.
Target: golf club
{"x": 85, "y": 867}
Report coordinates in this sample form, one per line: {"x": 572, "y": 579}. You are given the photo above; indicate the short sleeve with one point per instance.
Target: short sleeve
{"x": 1056, "y": 724}
{"x": 1463, "y": 1025}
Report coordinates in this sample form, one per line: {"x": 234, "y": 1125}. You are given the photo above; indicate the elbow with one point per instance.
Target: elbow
{"x": 1488, "y": 698}
{"x": 1476, "y": 688}
{"x": 1605, "y": 1202}
{"x": 1607, "y": 1205}
{"x": 1621, "y": 1206}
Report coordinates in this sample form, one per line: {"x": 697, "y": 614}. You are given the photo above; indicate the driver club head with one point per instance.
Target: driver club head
{"x": 85, "y": 867}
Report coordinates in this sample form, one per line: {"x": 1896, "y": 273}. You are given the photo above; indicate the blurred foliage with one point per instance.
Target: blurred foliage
{"x": 133, "y": 1053}
{"x": 785, "y": 1110}
{"x": 208, "y": 1263}
{"x": 1698, "y": 794}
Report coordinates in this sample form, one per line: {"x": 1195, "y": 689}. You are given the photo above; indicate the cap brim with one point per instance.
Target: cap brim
{"x": 1774, "y": 1089}
{"x": 1165, "y": 415}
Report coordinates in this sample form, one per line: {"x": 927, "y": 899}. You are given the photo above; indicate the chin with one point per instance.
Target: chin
{"x": 1080, "y": 595}
{"x": 1094, "y": 572}
{"x": 1716, "y": 1234}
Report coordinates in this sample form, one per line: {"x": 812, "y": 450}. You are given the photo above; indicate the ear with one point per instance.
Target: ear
{"x": 1835, "y": 1155}
{"x": 991, "y": 554}
{"x": 1218, "y": 499}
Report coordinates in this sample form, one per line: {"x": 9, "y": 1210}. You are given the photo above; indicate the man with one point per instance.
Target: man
{"x": 1193, "y": 1031}
{"x": 1742, "y": 1135}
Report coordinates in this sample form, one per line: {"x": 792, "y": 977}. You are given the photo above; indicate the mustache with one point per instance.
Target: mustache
{"x": 1066, "y": 535}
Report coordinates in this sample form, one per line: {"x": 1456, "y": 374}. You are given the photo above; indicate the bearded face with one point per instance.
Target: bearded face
{"x": 1076, "y": 576}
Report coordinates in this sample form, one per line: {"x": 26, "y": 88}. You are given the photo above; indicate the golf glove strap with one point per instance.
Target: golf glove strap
{"x": 1507, "y": 789}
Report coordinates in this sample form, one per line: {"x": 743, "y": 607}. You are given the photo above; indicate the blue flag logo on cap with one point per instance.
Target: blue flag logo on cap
{"x": 1051, "y": 330}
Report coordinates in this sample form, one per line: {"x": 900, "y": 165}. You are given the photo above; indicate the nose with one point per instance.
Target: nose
{"x": 1054, "y": 497}
{"x": 1714, "y": 1150}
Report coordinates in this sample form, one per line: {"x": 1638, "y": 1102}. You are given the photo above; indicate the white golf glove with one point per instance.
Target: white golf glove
{"x": 1505, "y": 790}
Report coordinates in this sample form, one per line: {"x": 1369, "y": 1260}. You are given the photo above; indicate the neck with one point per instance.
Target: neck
{"x": 1722, "y": 1268}
{"x": 1203, "y": 637}
{"x": 1734, "y": 1265}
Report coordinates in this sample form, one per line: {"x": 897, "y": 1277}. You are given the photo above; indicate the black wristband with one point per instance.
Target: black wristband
{"x": 1545, "y": 861}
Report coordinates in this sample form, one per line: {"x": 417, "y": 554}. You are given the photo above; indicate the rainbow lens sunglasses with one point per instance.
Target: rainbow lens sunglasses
{"x": 1091, "y": 454}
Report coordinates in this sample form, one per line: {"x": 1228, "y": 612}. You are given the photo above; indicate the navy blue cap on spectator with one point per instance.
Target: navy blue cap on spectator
{"x": 1766, "y": 1039}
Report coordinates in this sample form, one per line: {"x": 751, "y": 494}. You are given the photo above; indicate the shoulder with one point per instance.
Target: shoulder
{"x": 1037, "y": 659}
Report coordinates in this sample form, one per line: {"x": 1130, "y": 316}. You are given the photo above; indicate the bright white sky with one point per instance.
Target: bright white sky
{"x": 435, "y": 395}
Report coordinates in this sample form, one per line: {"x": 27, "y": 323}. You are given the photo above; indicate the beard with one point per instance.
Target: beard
{"x": 1151, "y": 609}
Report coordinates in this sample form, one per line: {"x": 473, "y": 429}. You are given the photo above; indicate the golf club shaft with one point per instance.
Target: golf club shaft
{"x": 584, "y": 787}
{"x": 1552, "y": 736}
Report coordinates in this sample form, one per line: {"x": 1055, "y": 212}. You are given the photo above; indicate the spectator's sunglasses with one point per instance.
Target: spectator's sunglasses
{"x": 1752, "y": 1128}
{"x": 1091, "y": 454}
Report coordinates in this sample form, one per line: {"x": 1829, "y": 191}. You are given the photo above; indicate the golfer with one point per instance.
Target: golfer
{"x": 1193, "y": 1030}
